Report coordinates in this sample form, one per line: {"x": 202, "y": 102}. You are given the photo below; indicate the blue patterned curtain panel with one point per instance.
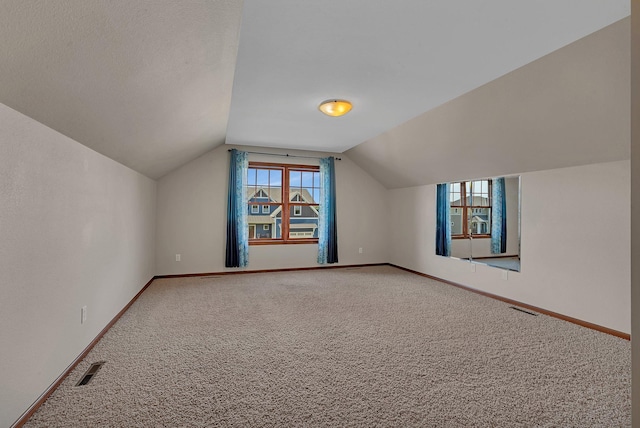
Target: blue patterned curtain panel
{"x": 237, "y": 254}
{"x": 498, "y": 217}
{"x": 327, "y": 229}
{"x": 443, "y": 221}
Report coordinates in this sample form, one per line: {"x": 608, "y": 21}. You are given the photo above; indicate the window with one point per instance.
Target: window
{"x": 470, "y": 208}
{"x": 276, "y": 188}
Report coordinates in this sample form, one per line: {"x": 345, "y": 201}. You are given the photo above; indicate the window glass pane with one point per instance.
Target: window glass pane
{"x": 251, "y": 176}
{"x": 275, "y": 178}
{"x": 316, "y": 179}
{"x": 316, "y": 195}
{"x": 295, "y": 178}
{"x": 250, "y": 192}
{"x": 262, "y": 224}
{"x": 263, "y": 177}
{"x": 479, "y": 221}
{"x": 303, "y": 222}
{"x": 456, "y": 221}
{"x": 307, "y": 179}
{"x": 307, "y": 195}
{"x": 455, "y": 197}
{"x": 275, "y": 194}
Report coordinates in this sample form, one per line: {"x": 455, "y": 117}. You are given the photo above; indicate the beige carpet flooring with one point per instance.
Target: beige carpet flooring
{"x": 364, "y": 347}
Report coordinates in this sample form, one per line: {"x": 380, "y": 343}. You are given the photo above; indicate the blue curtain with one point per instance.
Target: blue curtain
{"x": 327, "y": 230}
{"x": 237, "y": 226}
{"x": 443, "y": 221}
{"x": 498, "y": 217}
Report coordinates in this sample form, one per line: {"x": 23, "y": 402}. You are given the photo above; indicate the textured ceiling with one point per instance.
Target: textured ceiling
{"x": 393, "y": 60}
{"x": 149, "y": 82}
{"x": 144, "y": 82}
{"x": 568, "y": 108}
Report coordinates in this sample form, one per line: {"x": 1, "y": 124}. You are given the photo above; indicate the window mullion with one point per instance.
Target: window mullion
{"x": 465, "y": 221}
{"x": 285, "y": 204}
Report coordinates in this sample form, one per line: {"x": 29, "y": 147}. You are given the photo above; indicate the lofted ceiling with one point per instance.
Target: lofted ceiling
{"x": 153, "y": 84}
{"x": 144, "y": 82}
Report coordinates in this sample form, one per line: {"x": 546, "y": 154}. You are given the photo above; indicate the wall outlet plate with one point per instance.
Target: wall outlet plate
{"x": 83, "y": 315}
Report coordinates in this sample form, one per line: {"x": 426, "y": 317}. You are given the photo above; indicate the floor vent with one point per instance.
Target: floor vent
{"x": 90, "y": 373}
{"x": 522, "y": 310}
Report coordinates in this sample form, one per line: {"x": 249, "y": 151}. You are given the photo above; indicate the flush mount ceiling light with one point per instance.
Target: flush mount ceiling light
{"x": 335, "y": 107}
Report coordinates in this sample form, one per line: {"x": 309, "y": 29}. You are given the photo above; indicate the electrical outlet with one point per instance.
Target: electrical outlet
{"x": 505, "y": 274}
{"x": 83, "y": 315}
{"x": 360, "y": 250}
{"x": 473, "y": 267}
{"x": 178, "y": 257}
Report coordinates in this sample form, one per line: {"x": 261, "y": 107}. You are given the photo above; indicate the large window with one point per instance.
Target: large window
{"x": 288, "y": 196}
{"x": 470, "y": 208}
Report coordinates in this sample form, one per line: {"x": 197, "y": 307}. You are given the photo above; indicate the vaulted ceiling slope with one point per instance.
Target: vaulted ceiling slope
{"x": 145, "y": 82}
{"x": 569, "y": 108}
{"x": 155, "y": 83}
{"x": 393, "y": 60}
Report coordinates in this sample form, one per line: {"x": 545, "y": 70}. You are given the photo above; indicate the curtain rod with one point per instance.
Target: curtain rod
{"x": 286, "y": 155}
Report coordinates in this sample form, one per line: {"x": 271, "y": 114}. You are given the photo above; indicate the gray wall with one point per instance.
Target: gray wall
{"x": 192, "y": 207}
{"x": 635, "y": 207}
{"x": 568, "y": 108}
{"x": 76, "y": 229}
{"x": 575, "y": 253}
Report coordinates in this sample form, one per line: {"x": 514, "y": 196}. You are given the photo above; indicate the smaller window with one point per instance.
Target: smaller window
{"x": 297, "y": 210}
{"x": 265, "y": 227}
{"x": 255, "y": 209}
{"x": 265, "y": 209}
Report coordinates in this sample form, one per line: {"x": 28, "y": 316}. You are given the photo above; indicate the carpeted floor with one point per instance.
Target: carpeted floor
{"x": 367, "y": 347}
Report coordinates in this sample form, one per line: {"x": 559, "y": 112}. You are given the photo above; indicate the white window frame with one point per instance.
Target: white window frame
{"x": 255, "y": 209}
{"x": 297, "y": 210}
{"x": 265, "y": 227}
{"x": 266, "y": 209}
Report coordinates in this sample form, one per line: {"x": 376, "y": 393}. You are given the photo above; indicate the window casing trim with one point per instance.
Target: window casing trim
{"x": 285, "y": 204}
{"x": 465, "y": 222}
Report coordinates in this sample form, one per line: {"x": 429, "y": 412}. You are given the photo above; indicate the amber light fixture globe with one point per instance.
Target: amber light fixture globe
{"x": 335, "y": 107}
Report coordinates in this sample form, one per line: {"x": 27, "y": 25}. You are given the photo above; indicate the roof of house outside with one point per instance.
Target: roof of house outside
{"x": 275, "y": 193}
{"x": 259, "y": 219}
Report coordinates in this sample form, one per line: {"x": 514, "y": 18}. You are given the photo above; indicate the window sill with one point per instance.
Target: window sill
{"x": 281, "y": 242}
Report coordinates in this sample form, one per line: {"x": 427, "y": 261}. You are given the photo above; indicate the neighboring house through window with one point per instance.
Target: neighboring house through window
{"x": 275, "y": 188}
{"x": 470, "y": 208}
